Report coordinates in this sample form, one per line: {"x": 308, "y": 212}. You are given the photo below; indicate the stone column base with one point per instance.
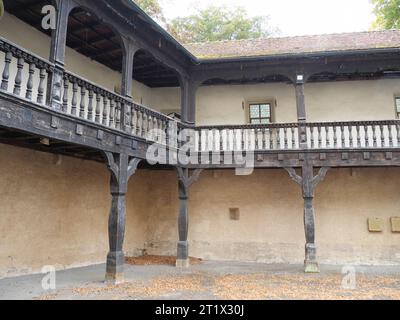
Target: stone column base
{"x": 311, "y": 263}
{"x": 182, "y": 263}
{"x": 115, "y": 267}
{"x": 311, "y": 267}
{"x": 114, "y": 278}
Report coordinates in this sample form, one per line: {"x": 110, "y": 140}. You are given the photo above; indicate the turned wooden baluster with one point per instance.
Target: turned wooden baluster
{"x": 319, "y": 136}
{"x": 118, "y": 114}
{"x": 144, "y": 128}
{"x": 90, "y": 105}
{"x": 150, "y": 133}
{"x": 18, "y": 77}
{"x": 390, "y": 128}
{"x": 327, "y": 137}
{"x": 398, "y": 135}
{"x": 285, "y": 138}
{"x": 112, "y": 113}
{"x": 312, "y": 137}
{"x": 242, "y": 139}
{"x": 335, "y": 137}
{"x": 234, "y": 140}
{"x": 382, "y": 132}
{"x": 351, "y": 139}
{"x": 98, "y": 107}
{"x": 271, "y": 139}
{"x": 134, "y": 120}
{"x": 74, "y": 98}
{"x": 6, "y": 71}
{"x": 29, "y": 84}
{"x": 222, "y": 134}
{"x": 343, "y": 137}
{"x": 105, "y": 110}
{"x": 278, "y": 138}
{"x": 374, "y": 136}
{"x": 65, "y": 95}
{"x": 294, "y": 137}
{"x": 40, "y": 96}
{"x": 139, "y": 123}
{"x": 358, "y": 137}
{"x": 366, "y": 132}
{"x": 82, "y": 104}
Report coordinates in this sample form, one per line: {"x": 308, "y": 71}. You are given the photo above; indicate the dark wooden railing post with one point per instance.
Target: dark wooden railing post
{"x": 122, "y": 168}
{"x": 308, "y": 183}
{"x": 188, "y": 100}
{"x": 185, "y": 181}
{"x": 301, "y": 111}
{"x": 126, "y": 82}
{"x": 57, "y": 55}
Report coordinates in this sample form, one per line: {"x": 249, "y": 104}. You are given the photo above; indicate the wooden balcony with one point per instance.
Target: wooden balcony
{"x": 90, "y": 120}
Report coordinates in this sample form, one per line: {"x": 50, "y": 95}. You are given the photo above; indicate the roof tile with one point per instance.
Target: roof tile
{"x": 296, "y": 45}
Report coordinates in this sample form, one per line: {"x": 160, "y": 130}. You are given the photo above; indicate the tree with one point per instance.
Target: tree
{"x": 220, "y": 23}
{"x": 1, "y": 8}
{"x": 153, "y": 9}
{"x": 387, "y": 14}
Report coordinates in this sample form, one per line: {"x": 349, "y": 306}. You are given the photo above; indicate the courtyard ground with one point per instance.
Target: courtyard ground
{"x": 211, "y": 280}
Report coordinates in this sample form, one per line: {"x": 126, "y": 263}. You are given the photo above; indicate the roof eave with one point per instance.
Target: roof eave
{"x": 162, "y": 31}
{"x": 298, "y": 55}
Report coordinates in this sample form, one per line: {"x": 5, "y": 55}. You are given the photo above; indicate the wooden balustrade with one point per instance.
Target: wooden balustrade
{"x": 354, "y": 134}
{"x": 26, "y": 76}
{"x": 23, "y": 74}
{"x": 247, "y": 138}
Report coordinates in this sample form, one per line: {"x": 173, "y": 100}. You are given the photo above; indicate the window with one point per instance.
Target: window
{"x": 260, "y": 113}
{"x": 397, "y": 101}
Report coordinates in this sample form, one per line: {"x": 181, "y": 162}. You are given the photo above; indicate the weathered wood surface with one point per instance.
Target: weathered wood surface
{"x": 122, "y": 167}
{"x": 186, "y": 178}
{"x": 308, "y": 182}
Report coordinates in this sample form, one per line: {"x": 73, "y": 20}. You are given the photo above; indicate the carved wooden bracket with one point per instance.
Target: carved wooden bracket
{"x": 304, "y": 181}
{"x": 186, "y": 178}
{"x": 132, "y": 166}
{"x": 117, "y": 162}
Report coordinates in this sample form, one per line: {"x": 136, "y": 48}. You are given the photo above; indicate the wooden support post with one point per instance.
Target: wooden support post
{"x": 188, "y": 100}
{"x": 185, "y": 181}
{"x": 127, "y": 67}
{"x": 57, "y": 54}
{"x": 308, "y": 183}
{"x": 301, "y": 111}
{"x": 122, "y": 168}
{"x": 126, "y": 84}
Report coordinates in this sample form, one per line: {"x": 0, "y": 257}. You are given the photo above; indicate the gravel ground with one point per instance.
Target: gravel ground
{"x": 210, "y": 280}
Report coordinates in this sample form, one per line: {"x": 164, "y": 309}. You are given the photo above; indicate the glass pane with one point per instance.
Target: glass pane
{"x": 265, "y": 121}
{"x": 265, "y": 110}
{"x": 398, "y": 104}
{"x": 255, "y": 121}
{"x": 254, "y": 111}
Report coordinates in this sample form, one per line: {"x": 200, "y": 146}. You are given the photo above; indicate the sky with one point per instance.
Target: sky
{"x": 292, "y": 17}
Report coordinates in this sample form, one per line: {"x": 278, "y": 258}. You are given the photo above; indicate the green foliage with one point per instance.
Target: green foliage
{"x": 219, "y": 23}
{"x": 152, "y": 8}
{"x": 1, "y": 8}
{"x": 387, "y": 14}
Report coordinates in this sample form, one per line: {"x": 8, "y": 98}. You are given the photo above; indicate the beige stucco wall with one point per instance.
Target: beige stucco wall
{"x": 270, "y": 228}
{"x": 328, "y": 101}
{"x": 54, "y": 211}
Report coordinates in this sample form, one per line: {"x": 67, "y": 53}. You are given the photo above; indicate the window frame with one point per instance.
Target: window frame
{"x": 269, "y": 101}
{"x": 396, "y": 109}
